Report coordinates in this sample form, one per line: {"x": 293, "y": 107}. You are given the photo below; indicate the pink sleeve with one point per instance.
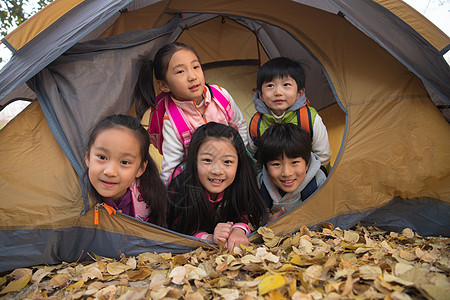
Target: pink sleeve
{"x": 243, "y": 226}
{"x": 202, "y": 235}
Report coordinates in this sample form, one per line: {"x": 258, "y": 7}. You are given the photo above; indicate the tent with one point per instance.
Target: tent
{"x": 375, "y": 72}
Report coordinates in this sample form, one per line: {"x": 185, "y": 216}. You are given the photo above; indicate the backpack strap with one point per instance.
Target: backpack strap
{"x": 180, "y": 123}
{"x": 254, "y": 126}
{"x": 224, "y": 103}
{"x": 304, "y": 119}
{"x": 155, "y": 122}
{"x": 310, "y": 188}
{"x": 266, "y": 196}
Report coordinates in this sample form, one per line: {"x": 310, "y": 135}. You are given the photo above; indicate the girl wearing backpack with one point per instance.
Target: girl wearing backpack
{"x": 216, "y": 194}
{"x": 185, "y": 103}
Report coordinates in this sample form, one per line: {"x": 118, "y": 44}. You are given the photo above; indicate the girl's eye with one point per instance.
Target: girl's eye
{"x": 125, "y": 162}
{"x": 275, "y": 164}
{"x": 101, "y": 157}
{"x": 269, "y": 85}
{"x": 196, "y": 67}
{"x": 229, "y": 162}
{"x": 207, "y": 160}
{"x": 179, "y": 71}
{"x": 287, "y": 84}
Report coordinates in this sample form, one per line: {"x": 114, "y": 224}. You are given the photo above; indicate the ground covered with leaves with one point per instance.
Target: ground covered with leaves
{"x": 363, "y": 263}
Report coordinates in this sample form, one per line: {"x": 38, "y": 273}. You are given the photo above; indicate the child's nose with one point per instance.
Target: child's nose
{"x": 278, "y": 90}
{"x": 286, "y": 171}
{"x": 191, "y": 75}
{"x": 110, "y": 170}
{"x": 216, "y": 169}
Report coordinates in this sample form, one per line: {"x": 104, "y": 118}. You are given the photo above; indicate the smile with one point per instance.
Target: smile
{"x": 108, "y": 184}
{"x": 288, "y": 182}
{"x": 216, "y": 181}
{"x": 194, "y": 88}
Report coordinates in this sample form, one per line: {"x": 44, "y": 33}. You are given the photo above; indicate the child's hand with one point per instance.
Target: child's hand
{"x": 273, "y": 216}
{"x": 222, "y": 232}
{"x": 236, "y": 238}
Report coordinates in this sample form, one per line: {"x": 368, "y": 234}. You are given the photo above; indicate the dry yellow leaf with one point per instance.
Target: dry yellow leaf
{"x": 140, "y": 274}
{"x": 75, "y": 287}
{"x": 91, "y": 273}
{"x": 116, "y": 268}
{"x": 16, "y": 284}
{"x": 158, "y": 279}
{"x": 313, "y": 273}
{"x": 276, "y": 295}
{"x": 266, "y": 233}
{"x": 262, "y": 253}
{"x": 249, "y": 258}
{"x": 408, "y": 233}
{"x": 407, "y": 255}
{"x": 41, "y": 273}
{"x": 351, "y": 236}
{"x": 58, "y": 280}
{"x": 402, "y": 268}
{"x": 270, "y": 283}
{"x": 178, "y": 274}
{"x": 369, "y": 272}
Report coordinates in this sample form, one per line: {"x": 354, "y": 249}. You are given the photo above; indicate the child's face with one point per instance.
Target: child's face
{"x": 217, "y": 162}
{"x": 287, "y": 173}
{"x": 280, "y": 94}
{"x": 184, "y": 77}
{"x": 114, "y": 161}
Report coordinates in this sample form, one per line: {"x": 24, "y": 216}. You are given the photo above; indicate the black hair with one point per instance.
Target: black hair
{"x": 281, "y": 67}
{"x": 144, "y": 91}
{"x": 189, "y": 208}
{"x": 284, "y": 139}
{"x": 152, "y": 188}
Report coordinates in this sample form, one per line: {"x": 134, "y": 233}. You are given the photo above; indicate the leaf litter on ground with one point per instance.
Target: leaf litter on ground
{"x": 361, "y": 263}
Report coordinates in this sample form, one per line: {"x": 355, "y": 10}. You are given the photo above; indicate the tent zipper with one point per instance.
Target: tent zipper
{"x": 108, "y": 208}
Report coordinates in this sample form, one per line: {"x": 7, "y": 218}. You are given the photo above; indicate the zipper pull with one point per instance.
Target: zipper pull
{"x": 109, "y": 209}
{"x": 96, "y": 222}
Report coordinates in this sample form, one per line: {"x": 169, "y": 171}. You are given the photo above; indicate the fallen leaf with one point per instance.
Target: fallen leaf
{"x": 17, "y": 284}
{"x": 91, "y": 273}
{"x": 58, "y": 280}
{"x": 408, "y": 233}
{"x": 116, "y": 268}
{"x": 351, "y": 236}
{"x": 270, "y": 283}
{"x": 178, "y": 274}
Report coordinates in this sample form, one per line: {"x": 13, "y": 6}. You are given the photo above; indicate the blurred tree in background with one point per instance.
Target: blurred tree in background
{"x": 15, "y": 12}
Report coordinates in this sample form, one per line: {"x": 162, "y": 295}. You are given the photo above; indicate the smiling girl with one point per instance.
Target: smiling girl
{"x": 121, "y": 172}
{"x": 215, "y": 196}
{"x": 180, "y": 77}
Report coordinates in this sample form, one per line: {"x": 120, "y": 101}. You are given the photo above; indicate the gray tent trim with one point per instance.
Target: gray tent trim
{"x": 53, "y": 246}
{"x": 399, "y": 214}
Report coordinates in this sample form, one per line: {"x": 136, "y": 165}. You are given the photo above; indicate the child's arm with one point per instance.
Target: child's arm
{"x": 320, "y": 142}
{"x": 172, "y": 151}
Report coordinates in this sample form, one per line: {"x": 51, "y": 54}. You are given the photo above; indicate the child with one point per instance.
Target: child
{"x": 180, "y": 77}
{"x": 216, "y": 194}
{"x": 121, "y": 172}
{"x": 291, "y": 172}
{"x": 280, "y": 98}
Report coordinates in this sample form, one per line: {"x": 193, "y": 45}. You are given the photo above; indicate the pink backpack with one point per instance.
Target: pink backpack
{"x": 177, "y": 118}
